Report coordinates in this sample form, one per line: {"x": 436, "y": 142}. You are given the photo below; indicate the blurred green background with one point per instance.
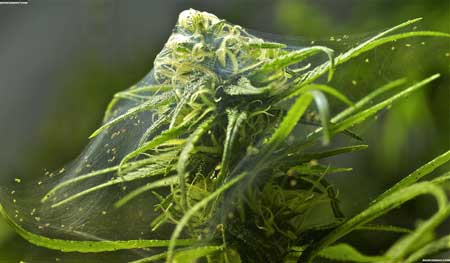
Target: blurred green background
{"x": 62, "y": 60}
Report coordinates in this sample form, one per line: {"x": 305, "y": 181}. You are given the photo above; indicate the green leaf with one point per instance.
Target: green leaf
{"x": 266, "y": 45}
{"x": 183, "y": 102}
{"x": 290, "y": 121}
{"x": 261, "y": 75}
{"x": 153, "y": 258}
{"x": 235, "y": 120}
{"x": 163, "y": 120}
{"x": 244, "y": 87}
{"x": 184, "y": 255}
{"x": 364, "y": 47}
{"x": 156, "y": 101}
{"x": 332, "y": 152}
{"x": 345, "y": 252}
{"x": 171, "y": 180}
{"x": 150, "y": 171}
{"x": 324, "y": 112}
{"x": 442, "y": 244}
{"x": 186, "y": 153}
{"x": 154, "y": 89}
{"x": 384, "y": 228}
{"x": 318, "y": 169}
{"x": 327, "y": 89}
{"x": 417, "y": 174}
{"x": 408, "y": 244}
{"x": 361, "y": 116}
{"x": 192, "y": 254}
{"x": 88, "y": 246}
{"x": 131, "y": 165}
{"x": 378, "y": 42}
{"x": 78, "y": 179}
{"x": 442, "y": 179}
{"x": 375, "y": 210}
{"x": 158, "y": 140}
{"x": 367, "y": 99}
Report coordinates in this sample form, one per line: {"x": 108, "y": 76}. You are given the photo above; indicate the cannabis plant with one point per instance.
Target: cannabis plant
{"x": 215, "y": 156}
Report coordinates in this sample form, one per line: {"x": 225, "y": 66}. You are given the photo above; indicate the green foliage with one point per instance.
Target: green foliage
{"x": 87, "y": 246}
{"x": 223, "y": 147}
